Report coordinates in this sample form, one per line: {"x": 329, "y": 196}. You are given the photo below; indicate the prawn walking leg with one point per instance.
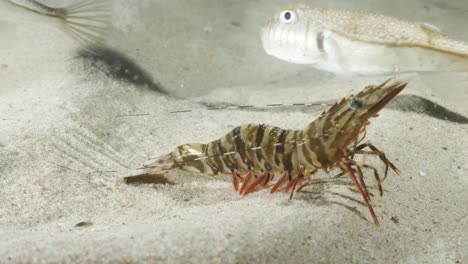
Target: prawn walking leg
{"x": 345, "y": 166}
{"x": 381, "y": 154}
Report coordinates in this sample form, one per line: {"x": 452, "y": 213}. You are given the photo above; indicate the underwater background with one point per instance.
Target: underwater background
{"x": 74, "y": 121}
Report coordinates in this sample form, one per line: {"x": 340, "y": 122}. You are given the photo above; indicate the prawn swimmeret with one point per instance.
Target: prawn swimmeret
{"x": 253, "y": 154}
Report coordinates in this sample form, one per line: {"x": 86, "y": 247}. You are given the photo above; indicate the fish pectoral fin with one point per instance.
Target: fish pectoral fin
{"x": 331, "y": 48}
{"x": 328, "y": 41}
{"x": 88, "y": 21}
{"x": 431, "y": 27}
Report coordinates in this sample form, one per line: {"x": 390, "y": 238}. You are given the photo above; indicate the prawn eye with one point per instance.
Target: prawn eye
{"x": 355, "y": 103}
{"x": 288, "y": 16}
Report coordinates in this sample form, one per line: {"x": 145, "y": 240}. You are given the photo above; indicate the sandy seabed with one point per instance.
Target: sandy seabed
{"x": 66, "y": 141}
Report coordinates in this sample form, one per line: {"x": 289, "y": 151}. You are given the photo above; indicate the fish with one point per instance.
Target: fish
{"x": 86, "y": 20}
{"x": 348, "y": 42}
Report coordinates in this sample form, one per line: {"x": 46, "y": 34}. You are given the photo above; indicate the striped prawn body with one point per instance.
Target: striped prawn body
{"x": 253, "y": 154}
{"x": 245, "y": 148}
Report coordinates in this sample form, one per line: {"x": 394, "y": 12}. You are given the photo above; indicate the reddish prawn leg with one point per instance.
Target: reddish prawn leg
{"x": 293, "y": 184}
{"x": 285, "y": 178}
{"x": 246, "y": 181}
{"x": 345, "y": 166}
{"x": 236, "y": 178}
{"x": 263, "y": 179}
{"x": 361, "y": 181}
{"x": 381, "y": 154}
{"x": 376, "y": 176}
{"x": 307, "y": 181}
{"x": 366, "y": 166}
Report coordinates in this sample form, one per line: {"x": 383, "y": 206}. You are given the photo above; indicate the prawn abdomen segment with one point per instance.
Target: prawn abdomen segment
{"x": 252, "y": 147}
{"x": 267, "y": 148}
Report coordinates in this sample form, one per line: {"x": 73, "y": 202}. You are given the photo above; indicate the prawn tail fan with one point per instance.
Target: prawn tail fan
{"x": 153, "y": 171}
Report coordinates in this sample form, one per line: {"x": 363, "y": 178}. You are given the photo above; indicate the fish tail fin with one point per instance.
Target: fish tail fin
{"x": 457, "y": 58}
{"x": 87, "y": 21}
{"x": 439, "y": 42}
{"x": 453, "y": 46}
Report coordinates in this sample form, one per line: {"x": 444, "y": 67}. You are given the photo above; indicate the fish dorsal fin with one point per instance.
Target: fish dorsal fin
{"x": 376, "y": 28}
{"x": 370, "y": 27}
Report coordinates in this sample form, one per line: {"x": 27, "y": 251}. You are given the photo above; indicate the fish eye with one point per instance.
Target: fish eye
{"x": 288, "y": 16}
{"x": 355, "y": 103}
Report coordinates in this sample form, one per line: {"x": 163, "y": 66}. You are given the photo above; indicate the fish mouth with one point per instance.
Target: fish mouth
{"x": 387, "y": 95}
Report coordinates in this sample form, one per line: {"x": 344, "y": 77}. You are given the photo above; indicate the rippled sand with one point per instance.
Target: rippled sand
{"x": 66, "y": 141}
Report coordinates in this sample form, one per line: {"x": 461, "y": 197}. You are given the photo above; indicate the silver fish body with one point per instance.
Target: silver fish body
{"x": 360, "y": 43}
{"x": 86, "y": 20}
